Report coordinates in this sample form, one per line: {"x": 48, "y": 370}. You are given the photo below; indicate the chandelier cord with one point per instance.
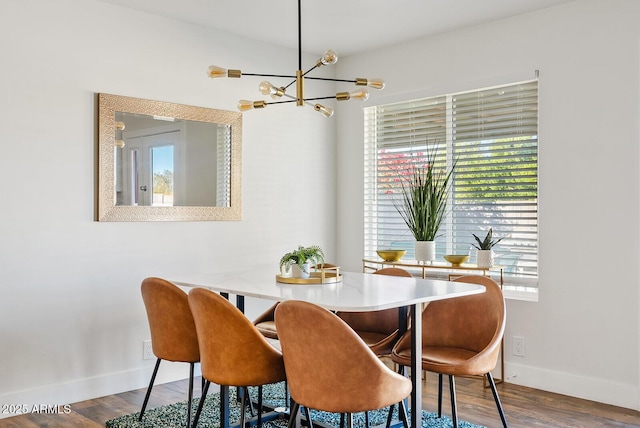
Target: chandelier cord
{"x": 300, "y": 37}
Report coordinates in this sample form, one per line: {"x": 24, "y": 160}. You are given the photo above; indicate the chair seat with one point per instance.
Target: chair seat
{"x": 268, "y": 329}
{"x": 380, "y": 343}
{"x": 443, "y": 360}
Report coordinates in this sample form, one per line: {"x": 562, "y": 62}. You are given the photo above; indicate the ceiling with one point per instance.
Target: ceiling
{"x": 346, "y": 26}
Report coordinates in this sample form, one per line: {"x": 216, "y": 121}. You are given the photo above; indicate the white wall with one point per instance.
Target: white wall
{"x": 582, "y": 336}
{"x": 72, "y": 320}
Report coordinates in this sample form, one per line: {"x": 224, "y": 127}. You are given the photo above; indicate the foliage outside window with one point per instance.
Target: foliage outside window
{"x": 493, "y": 135}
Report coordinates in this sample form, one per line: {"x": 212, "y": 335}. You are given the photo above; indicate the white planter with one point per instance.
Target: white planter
{"x": 300, "y": 273}
{"x": 484, "y": 258}
{"x": 425, "y": 251}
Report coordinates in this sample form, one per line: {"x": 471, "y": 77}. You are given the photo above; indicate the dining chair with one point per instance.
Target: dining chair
{"x": 379, "y": 329}
{"x": 330, "y": 368}
{"x": 265, "y": 322}
{"x": 173, "y": 331}
{"x": 232, "y": 350}
{"x": 460, "y": 337}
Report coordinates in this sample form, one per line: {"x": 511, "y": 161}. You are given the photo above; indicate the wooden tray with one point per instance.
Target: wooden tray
{"x": 322, "y": 276}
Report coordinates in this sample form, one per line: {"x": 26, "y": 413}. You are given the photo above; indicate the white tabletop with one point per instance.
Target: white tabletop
{"x": 356, "y": 291}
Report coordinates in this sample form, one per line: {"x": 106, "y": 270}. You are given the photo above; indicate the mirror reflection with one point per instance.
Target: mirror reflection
{"x": 164, "y": 161}
{"x": 161, "y": 161}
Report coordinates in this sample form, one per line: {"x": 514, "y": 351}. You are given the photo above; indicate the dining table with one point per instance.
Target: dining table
{"x": 352, "y": 292}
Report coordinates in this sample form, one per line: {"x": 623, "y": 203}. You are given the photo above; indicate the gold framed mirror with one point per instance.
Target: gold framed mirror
{"x": 160, "y": 161}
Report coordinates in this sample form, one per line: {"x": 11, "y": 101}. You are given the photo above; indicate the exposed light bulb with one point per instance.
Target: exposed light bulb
{"x": 267, "y": 88}
{"x": 375, "y": 83}
{"x": 326, "y": 111}
{"x": 214, "y": 72}
{"x": 359, "y": 94}
{"x": 372, "y": 83}
{"x": 119, "y": 126}
{"x": 329, "y": 57}
{"x": 246, "y": 105}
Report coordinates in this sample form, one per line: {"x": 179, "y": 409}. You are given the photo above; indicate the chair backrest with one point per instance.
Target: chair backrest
{"x": 470, "y": 322}
{"x": 232, "y": 350}
{"x": 173, "y": 332}
{"x": 328, "y": 365}
{"x": 384, "y": 321}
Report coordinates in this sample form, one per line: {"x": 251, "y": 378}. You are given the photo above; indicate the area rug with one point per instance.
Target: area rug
{"x": 175, "y": 415}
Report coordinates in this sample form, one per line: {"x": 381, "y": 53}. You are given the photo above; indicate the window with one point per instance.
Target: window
{"x": 493, "y": 135}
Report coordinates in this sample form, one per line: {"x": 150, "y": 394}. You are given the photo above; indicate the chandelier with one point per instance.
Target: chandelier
{"x": 277, "y": 93}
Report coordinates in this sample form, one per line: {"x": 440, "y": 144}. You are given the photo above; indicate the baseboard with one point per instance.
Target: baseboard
{"x": 595, "y": 389}
{"x": 57, "y": 396}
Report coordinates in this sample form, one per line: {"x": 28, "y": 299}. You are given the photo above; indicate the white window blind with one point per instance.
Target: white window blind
{"x": 493, "y": 135}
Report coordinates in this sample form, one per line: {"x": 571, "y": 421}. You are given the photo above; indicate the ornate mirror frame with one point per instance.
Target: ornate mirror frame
{"x": 107, "y": 210}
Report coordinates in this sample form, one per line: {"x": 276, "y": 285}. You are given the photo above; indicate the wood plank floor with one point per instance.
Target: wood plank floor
{"x": 524, "y": 407}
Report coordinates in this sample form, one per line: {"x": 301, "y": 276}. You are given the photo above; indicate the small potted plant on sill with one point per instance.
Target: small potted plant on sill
{"x": 484, "y": 256}
{"x": 301, "y": 259}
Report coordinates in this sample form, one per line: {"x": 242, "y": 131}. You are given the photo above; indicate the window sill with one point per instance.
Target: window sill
{"x": 520, "y": 292}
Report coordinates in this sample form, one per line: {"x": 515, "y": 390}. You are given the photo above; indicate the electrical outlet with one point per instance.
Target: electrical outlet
{"x": 518, "y": 346}
{"x": 147, "y": 350}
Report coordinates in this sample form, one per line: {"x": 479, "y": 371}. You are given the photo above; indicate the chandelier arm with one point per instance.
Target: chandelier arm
{"x": 281, "y": 102}
{"x": 309, "y": 70}
{"x": 288, "y": 76}
{"x": 285, "y": 87}
{"x": 332, "y": 80}
{"x": 333, "y": 97}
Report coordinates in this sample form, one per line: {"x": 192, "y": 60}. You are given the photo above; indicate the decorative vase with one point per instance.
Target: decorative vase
{"x": 484, "y": 258}
{"x": 299, "y": 272}
{"x": 425, "y": 251}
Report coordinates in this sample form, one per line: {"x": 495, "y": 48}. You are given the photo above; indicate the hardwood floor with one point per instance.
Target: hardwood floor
{"x": 524, "y": 407}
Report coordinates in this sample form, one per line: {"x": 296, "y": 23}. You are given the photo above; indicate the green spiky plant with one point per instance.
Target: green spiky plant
{"x": 312, "y": 255}
{"x": 488, "y": 242}
{"x": 424, "y": 197}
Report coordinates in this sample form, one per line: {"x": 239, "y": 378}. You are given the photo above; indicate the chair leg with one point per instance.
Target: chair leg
{"x": 454, "y": 406}
{"x": 389, "y": 416}
{"x": 260, "y": 406}
{"x": 245, "y": 390}
{"x": 366, "y": 419}
{"x": 295, "y": 408}
{"x": 243, "y": 405}
{"x": 201, "y": 404}
{"x": 190, "y": 395}
{"x": 439, "y": 395}
{"x": 308, "y": 412}
{"x": 492, "y": 384}
{"x": 402, "y": 413}
{"x": 349, "y": 420}
{"x": 146, "y": 397}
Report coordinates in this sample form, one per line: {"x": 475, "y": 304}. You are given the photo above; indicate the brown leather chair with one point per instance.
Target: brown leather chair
{"x": 378, "y": 329}
{"x": 173, "y": 332}
{"x": 328, "y": 365}
{"x": 460, "y": 336}
{"x": 265, "y": 322}
{"x": 232, "y": 350}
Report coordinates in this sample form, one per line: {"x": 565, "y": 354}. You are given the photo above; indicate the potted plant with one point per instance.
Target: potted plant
{"x": 300, "y": 260}
{"x": 484, "y": 256}
{"x": 424, "y": 202}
